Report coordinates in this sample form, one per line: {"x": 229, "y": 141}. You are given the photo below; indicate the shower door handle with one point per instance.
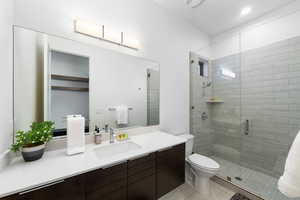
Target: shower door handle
{"x": 247, "y": 127}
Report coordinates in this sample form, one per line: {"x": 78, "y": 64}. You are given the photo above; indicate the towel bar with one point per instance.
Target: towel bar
{"x": 114, "y": 109}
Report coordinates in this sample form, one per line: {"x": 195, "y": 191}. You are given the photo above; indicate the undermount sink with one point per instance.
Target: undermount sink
{"x": 115, "y": 149}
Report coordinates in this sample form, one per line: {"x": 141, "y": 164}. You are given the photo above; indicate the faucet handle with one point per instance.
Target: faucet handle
{"x": 111, "y": 130}
{"x": 106, "y": 128}
{"x": 112, "y": 135}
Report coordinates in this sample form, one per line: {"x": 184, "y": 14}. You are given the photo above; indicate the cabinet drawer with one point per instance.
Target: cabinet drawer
{"x": 141, "y": 175}
{"x": 111, "y": 191}
{"x": 72, "y": 188}
{"x": 141, "y": 178}
{"x": 175, "y": 150}
{"x": 98, "y": 179}
{"x": 143, "y": 189}
{"x": 119, "y": 195}
{"x": 141, "y": 168}
{"x": 149, "y": 165}
{"x": 142, "y": 160}
{"x": 13, "y": 197}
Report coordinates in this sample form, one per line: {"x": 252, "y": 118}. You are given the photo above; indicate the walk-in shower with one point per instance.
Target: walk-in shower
{"x": 252, "y": 112}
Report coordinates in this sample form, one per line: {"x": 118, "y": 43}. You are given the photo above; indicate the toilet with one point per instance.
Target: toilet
{"x": 200, "y": 167}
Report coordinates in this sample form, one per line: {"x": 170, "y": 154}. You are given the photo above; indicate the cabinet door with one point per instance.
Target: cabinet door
{"x": 170, "y": 169}
{"x": 13, "y": 197}
{"x": 141, "y": 178}
{"x": 72, "y": 188}
{"x": 107, "y": 184}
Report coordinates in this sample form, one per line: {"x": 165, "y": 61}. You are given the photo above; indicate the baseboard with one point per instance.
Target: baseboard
{"x": 235, "y": 188}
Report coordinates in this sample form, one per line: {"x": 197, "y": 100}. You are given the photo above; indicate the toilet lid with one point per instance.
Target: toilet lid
{"x": 203, "y": 161}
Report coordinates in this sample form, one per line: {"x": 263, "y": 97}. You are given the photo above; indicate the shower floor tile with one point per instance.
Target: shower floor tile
{"x": 187, "y": 192}
{"x": 255, "y": 182}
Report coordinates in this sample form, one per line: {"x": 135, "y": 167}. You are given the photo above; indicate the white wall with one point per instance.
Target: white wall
{"x": 162, "y": 37}
{"x": 28, "y": 62}
{"x": 277, "y": 26}
{"x": 6, "y": 19}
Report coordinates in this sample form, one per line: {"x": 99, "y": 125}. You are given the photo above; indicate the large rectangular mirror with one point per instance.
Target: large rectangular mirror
{"x": 55, "y": 77}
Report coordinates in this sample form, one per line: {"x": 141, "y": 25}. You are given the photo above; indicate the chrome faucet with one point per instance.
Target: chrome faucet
{"x": 111, "y": 135}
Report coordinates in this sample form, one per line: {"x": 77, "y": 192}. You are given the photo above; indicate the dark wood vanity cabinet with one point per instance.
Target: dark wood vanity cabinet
{"x": 72, "y": 188}
{"x": 170, "y": 166}
{"x": 13, "y": 197}
{"x": 141, "y": 178}
{"x": 107, "y": 184}
{"x": 145, "y": 178}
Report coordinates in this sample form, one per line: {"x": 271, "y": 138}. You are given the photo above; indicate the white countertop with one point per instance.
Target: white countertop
{"x": 56, "y": 165}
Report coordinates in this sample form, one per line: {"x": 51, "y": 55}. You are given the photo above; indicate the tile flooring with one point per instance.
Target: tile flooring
{"x": 186, "y": 192}
{"x": 253, "y": 181}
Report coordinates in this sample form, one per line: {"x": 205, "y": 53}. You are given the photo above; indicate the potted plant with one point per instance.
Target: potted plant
{"x": 32, "y": 143}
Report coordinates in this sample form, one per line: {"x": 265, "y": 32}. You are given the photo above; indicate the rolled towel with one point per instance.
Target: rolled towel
{"x": 289, "y": 182}
{"x": 122, "y": 115}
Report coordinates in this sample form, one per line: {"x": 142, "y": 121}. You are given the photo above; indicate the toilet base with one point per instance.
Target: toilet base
{"x": 202, "y": 185}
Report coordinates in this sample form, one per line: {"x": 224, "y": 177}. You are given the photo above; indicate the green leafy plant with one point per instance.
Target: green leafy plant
{"x": 40, "y": 133}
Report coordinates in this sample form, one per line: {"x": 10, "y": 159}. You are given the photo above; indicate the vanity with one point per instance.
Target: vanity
{"x": 148, "y": 172}
{"x": 56, "y": 77}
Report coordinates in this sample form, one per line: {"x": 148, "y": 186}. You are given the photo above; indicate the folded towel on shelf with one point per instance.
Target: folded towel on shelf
{"x": 122, "y": 115}
{"x": 289, "y": 182}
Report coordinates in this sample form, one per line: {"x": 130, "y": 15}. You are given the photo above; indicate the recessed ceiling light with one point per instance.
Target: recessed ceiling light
{"x": 245, "y": 11}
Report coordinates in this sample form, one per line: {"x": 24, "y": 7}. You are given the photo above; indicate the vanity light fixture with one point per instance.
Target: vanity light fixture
{"x": 96, "y": 31}
{"x": 87, "y": 28}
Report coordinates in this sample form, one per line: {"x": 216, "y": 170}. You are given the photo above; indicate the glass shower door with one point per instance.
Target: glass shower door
{"x": 226, "y": 123}
{"x": 215, "y": 114}
{"x": 270, "y": 102}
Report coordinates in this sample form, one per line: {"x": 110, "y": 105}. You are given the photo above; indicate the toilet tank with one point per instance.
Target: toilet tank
{"x": 189, "y": 144}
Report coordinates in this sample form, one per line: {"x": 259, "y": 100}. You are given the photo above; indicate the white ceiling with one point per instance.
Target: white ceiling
{"x": 216, "y": 16}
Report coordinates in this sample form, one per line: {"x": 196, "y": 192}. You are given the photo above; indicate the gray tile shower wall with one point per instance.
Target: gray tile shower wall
{"x": 266, "y": 91}
{"x": 153, "y": 107}
{"x": 200, "y": 128}
{"x": 226, "y": 117}
{"x": 270, "y": 98}
{"x": 153, "y": 95}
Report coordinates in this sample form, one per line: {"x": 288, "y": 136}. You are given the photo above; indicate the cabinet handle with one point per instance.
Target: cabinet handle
{"x": 109, "y": 166}
{"x": 41, "y": 187}
{"x": 165, "y": 149}
{"x": 137, "y": 157}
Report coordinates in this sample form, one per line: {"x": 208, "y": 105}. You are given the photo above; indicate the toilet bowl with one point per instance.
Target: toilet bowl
{"x": 202, "y": 168}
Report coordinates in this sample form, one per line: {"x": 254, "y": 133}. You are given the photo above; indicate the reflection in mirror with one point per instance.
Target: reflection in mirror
{"x": 55, "y": 77}
{"x": 68, "y": 88}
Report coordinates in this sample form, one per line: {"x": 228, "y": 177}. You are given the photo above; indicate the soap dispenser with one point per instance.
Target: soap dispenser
{"x": 98, "y": 136}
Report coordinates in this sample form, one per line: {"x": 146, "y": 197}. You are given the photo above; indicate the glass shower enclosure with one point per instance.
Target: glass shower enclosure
{"x": 246, "y": 113}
